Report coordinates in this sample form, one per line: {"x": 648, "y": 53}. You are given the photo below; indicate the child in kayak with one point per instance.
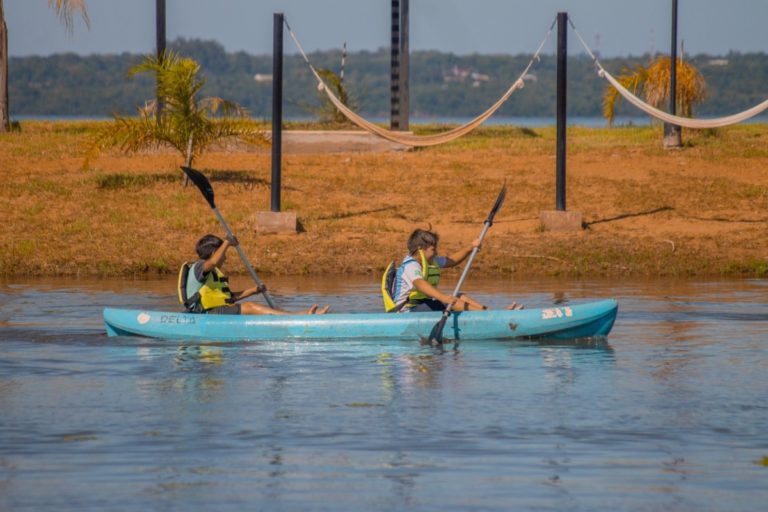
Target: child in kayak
{"x": 207, "y": 288}
{"x": 414, "y": 287}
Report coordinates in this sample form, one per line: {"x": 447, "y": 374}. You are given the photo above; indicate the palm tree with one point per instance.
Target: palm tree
{"x": 187, "y": 123}
{"x": 653, "y": 83}
{"x": 66, "y": 10}
{"x": 327, "y": 111}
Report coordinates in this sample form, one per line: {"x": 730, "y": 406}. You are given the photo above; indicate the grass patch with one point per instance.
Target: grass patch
{"x": 134, "y": 181}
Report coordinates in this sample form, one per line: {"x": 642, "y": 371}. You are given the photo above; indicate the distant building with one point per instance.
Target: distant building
{"x": 718, "y": 62}
{"x": 461, "y": 75}
{"x": 262, "y": 78}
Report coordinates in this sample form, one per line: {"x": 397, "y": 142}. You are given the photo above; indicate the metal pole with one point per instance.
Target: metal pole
{"x": 277, "y": 108}
{"x": 672, "y": 131}
{"x": 5, "y": 115}
{"x": 562, "y": 73}
{"x": 404, "y": 66}
{"x": 394, "y": 65}
{"x": 160, "y": 44}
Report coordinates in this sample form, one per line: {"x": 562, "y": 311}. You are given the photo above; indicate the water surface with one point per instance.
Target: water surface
{"x": 668, "y": 413}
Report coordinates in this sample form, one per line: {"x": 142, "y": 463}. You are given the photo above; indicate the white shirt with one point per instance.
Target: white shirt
{"x": 409, "y": 271}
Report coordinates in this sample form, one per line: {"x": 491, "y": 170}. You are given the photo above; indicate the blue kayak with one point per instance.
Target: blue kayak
{"x": 557, "y": 322}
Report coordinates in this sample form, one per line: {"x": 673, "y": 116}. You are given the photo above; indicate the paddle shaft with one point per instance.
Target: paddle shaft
{"x": 465, "y": 272}
{"x": 436, "y": 336}
{"x": 244, "y": 258}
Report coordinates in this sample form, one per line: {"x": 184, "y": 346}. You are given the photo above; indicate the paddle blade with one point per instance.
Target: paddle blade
{"x": 497, "y": 204}
{"x": 436, "y": 335}
{"x": 201, "y": 182}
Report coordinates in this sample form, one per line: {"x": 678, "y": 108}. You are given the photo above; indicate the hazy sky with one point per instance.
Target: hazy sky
{"x": 617, "y": 27}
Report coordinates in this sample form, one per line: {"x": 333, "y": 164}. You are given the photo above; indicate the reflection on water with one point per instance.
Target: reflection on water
{"x": 668, "y": 413}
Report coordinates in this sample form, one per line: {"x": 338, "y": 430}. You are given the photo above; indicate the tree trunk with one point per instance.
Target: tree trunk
{"x": 5, "y": 121}
{"x": 190, "y": 157}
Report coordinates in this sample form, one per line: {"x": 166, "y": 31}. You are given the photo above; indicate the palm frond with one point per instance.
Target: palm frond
{"x": 653, "y": 83}
{"x": 186, "y": 122}
{"x": 66, "y": 9}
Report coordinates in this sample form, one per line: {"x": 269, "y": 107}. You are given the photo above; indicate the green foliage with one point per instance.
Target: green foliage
{"x": 654, "y": 82}
{"x": 67, "y": 84}
{"x": 182, "y": 120}
{"x": 327, "y": 111}
{"x": 122, "y": 181}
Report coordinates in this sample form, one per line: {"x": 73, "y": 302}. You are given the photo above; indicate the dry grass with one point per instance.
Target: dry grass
{"x": 699, "y": 211}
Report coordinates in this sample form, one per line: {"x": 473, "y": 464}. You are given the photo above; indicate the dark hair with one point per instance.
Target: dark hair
{"x": 421, "y": 239}
{"x": 207, "y": 245}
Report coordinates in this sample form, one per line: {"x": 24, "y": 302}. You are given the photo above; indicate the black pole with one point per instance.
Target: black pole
{"x": 404, "y": 66}
{"x": 160, "y": 44}
{"x": 672, "y": 131}
{"x": 277, "y": 108}
{"x": 394, "y": 67}
{"x": 562, "y": 73}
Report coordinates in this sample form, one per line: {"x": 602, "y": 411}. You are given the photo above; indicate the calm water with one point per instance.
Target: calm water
{"x": 670, "y": 414}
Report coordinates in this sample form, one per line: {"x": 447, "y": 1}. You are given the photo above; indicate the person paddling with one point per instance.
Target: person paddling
{"x": 204, "y": 288}
{"x": 413, "y": 286}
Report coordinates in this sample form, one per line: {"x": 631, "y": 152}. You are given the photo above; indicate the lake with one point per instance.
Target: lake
{"x": 668, "y": 413}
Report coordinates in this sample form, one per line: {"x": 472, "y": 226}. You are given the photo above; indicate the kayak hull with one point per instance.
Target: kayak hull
{"x": 557, "y": 322}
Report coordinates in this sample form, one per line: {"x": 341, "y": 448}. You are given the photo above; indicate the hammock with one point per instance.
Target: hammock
{"x": 409, "y": 139}
{"x": 677, "y": 120}
{"x": 660, "y": 114}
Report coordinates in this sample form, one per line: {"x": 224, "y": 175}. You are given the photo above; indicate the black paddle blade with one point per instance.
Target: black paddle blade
{"x": 202, "y": 183}
{"x": 498, "y": 203}
{"x": 436, "y": 335}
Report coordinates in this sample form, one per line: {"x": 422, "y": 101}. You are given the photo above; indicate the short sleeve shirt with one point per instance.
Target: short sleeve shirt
{"x": 196, "y": 277}
{"x": 410, "y": 270}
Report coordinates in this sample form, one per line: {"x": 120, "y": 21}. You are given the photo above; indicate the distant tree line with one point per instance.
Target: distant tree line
{"x": 442, "y": 84}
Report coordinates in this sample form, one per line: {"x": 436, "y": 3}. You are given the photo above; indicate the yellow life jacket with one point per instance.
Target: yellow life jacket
{"x": 213, "y": 293}
{"x": 430, "y": 273}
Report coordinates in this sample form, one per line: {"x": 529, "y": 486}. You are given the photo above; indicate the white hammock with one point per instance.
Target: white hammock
{"x": 409, "y": 139}
{"x": 660, "y": 114}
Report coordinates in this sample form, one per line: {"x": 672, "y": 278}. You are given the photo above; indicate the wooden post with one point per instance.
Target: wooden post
{"x": 277, "y": 109}
{"x": 5, "y": 115}
{"x": 559, "y": 219}
{"x": 562, "y": 82}
{"x": 399, "y": 67}
{"x": 404, "y": 67}
{"x": 160, "y": 42}
{"x": 672, "y": 132}
{"x": 276, "y": 221}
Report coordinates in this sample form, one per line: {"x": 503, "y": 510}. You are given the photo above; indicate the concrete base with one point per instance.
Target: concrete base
{"x": 673, "y": 138}
{"x": 274, "y": 222}
{"x": 556, "y": 220}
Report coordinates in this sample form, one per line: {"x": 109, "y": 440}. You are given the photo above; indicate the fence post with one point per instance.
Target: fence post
{"x": 672, "y": 132}
{"x": 562, "y": 82}
{"x": 559, "y": 219}
{"x": 160, "y": 41}
{"x": 277, "y": 110}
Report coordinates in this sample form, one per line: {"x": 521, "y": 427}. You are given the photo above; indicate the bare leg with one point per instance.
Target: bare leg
{"x": 467, "y": 303}
{"x": 253, "y": 308}
{"x": 515, "y": 305}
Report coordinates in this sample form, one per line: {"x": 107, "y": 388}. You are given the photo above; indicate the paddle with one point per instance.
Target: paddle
{"x": 207, "y": 190}
{"x": 436, "y": 335}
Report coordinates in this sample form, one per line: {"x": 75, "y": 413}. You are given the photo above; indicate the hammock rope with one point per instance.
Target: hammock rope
{"x": 408, "y": 139}
{"x": 660, "y": 114}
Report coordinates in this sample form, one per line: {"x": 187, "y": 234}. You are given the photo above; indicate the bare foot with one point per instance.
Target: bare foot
{"x": 323, "y": 310}
{"x": 311, "y": 310}
{"x": 515, "y": 306}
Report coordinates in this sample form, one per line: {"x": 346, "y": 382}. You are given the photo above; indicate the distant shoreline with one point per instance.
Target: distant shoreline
{"x": 527, "y": 122}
